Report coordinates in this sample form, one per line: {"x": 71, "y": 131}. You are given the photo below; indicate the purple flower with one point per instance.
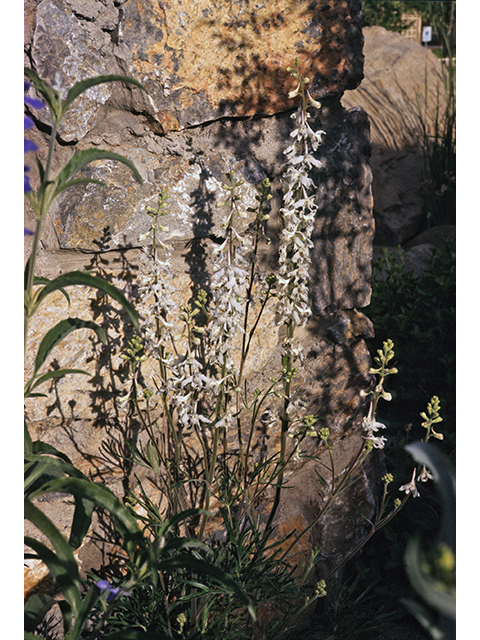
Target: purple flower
{"x": 28, "y": 145}
{"x": 32, "y": 102}
{"x": 27, "y": 232}
{"x": 113, "y": 592}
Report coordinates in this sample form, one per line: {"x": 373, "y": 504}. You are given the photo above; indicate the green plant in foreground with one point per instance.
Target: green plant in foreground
{"x": 432, "y": 573}
{"x": 50, "y": 471}
{"x": 205, "y": 560}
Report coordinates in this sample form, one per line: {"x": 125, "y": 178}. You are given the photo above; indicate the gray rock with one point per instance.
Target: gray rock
{"x": 66, "y": 49}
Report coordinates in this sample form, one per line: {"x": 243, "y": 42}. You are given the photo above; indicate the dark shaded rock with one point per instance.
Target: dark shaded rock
{"x": 343, "y": 233}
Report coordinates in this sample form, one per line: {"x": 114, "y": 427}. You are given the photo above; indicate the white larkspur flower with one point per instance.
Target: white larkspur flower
{"x": 229, "y": 283}
{"x": 411, "y": 487}
{"x": 425, "y": 475}
{"x": 298, "y": 213}
{"x": 371, "y": 426}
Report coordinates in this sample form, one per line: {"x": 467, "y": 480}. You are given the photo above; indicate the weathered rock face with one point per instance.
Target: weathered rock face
{"x": 198, "y": 60}
{"x": 206, "y": 66}
{"x": 402, "y": 91}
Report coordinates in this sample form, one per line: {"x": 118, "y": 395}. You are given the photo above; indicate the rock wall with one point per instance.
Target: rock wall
{"x": 217, "y": 84}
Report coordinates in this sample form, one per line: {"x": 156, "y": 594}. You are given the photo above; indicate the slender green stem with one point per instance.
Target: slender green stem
{"x": 285, "y": 422}
{"x": 40, "y": 205}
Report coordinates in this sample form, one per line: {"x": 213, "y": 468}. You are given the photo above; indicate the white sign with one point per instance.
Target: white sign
{"x": 426, "y": 34}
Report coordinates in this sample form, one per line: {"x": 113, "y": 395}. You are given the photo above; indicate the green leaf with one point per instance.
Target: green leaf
{"x": 84, "y": 157}
{"x": 35, "y": 609}
{"x": 83, "y": 85}
{"x": 206, "y": 568}
{"x": 428, "y": 587}
{"x": 72, "y": 183}
{"x": 82, "y": 519}
{"x": 85, "y": 278}
{"x": 83, "y": 613}
{"x": 46, "y": 461}
{"x": 57, "y": 333}
{"x": 39, "y": 447}
{"x": 102, "y": 497}
{"x": 51, "y": 97}
{"x": 27, "y": 440}
{"x": 61, "y": 562}
{"x": 57, "y": 373}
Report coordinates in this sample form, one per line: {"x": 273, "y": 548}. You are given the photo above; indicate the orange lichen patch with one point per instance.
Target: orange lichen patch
{"x": 234, "y": 56}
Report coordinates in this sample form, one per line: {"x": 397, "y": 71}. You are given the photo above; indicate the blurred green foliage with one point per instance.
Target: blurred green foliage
{"x": 418, "y": 313}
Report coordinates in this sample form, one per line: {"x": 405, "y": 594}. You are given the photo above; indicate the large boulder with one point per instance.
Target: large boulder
{"x": 403, "y": 94}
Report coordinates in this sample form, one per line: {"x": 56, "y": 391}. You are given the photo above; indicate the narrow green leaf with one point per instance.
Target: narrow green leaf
{"x": 39, "y": 447}
{"x": 102, "y": 497}
{"x": 83, "y": 85}
{"x": 35, "y": 609}
{"x": 57, "y": 333}
{"x": 50, "y": 96}
{"x": 34, "y": 472}
{"x": 57, "y": 373}
{"x": 83, "y": 613}
{"x": 40, "y": 168}
{"x": 61, "y": 562}
{"x": 72, "y": 183}
{"x": 84, "y": 157}
{"x": 206, "y": 568}
{"x": 39, "y": 280}
{"x": 27, "y": 440}
{"x": 85, "y": 278}
{"x": 82, "y": 518}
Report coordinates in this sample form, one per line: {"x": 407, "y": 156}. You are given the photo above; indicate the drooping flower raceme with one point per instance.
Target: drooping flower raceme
{"x": 156, "y": 289}
{"x": 298, "y": 213}
{"x": 231, "y": 263}
{"x": 183, "y": 379}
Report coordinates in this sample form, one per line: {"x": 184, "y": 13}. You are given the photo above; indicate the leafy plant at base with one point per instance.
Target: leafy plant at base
{"x": 50, "y": 471}
{"x": 195, "y": 582}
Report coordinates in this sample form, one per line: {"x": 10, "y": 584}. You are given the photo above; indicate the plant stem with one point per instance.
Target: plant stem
{"x": 41, "y": 207}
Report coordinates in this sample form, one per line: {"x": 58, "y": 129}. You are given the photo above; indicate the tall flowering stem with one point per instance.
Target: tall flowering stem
{"x": 298, "y": 211}
{"x": 298, "y": 215}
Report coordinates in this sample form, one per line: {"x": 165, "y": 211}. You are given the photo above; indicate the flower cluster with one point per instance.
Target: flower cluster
{"x": 298, "y": 213}
{"x": 230, "y": 277}
{"x": 156, "y": 288}
{"x": 186, "y": 387}
{"x": 183, "y": 376}
{"x": 28, "y": 145}
{"x": 370, "y": 427}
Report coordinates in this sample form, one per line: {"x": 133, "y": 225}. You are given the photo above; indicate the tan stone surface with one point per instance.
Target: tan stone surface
{"x": 201, "y": 60}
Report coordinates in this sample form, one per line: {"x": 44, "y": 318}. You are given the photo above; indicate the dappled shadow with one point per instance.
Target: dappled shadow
{"x": 255, "y": 44}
